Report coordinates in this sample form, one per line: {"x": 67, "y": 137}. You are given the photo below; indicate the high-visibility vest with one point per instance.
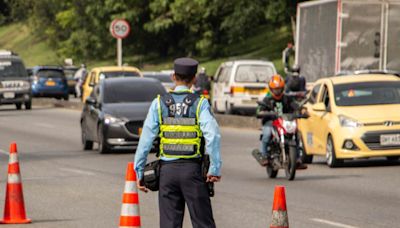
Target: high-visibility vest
{"x": 180, "y": 133}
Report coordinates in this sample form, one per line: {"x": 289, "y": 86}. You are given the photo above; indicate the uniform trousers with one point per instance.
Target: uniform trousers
{"x": 180, "y": 183}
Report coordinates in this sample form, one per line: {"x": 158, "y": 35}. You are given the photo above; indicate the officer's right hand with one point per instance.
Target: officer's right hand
{"x": 141, "y": 187}
{"x": 211, "y": 178}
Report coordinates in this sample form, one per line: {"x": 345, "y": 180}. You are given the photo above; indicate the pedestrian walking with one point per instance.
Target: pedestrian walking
{"x": 188, "y": 132}
{"x": 80, "y": 76}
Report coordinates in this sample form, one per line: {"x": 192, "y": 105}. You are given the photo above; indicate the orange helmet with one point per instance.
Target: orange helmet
{"x": 276, "y": 86}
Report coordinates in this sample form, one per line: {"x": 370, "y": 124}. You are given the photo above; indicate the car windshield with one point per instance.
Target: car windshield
{"x": 254, "y": 73}
{"x": 12, "y": 69}
{"x": 160, "y": 77}
{"x": 367, "y": 93}
{"x": 50, "y": 73}
{"x": 115, "y": 74}
{"x": 120, "y": 92}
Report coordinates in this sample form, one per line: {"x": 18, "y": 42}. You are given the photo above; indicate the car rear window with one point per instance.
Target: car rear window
{"x": 115, "y": 74}
{"x": 122, "y": 92}
{"x": 12, "y": 69}
{"x": 367, "y": 93}
{"x": 50, "y": 73}
{"x": 254, "y": 73}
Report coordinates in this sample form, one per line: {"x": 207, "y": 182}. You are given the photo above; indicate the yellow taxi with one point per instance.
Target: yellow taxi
{"x": 352, "y": 116}
{"x": 98, "y": 73}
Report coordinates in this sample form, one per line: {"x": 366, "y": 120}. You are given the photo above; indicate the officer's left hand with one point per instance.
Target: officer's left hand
{"x": 211, "y": 178}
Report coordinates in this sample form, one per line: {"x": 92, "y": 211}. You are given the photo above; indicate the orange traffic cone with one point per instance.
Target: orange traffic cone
{"x": 14, "y": 209}
{"x": 130, "y": 217}
{"x": 279, "y": 213}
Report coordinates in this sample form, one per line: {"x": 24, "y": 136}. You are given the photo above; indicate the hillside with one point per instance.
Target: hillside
{"x": 264, "y": 44}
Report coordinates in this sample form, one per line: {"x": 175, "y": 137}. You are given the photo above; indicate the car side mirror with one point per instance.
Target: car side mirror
{"x": 91, "y": 101}
{"x": 319, "y": 107}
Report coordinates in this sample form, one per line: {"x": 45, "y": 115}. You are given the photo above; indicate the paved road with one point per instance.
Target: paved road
{"x": 67, "y": 187}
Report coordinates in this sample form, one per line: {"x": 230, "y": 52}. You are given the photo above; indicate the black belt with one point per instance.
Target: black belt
{"x": 182, "y": 160}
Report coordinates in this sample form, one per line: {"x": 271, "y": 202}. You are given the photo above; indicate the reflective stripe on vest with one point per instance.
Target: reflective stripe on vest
{"x": 179, "y": 121}
{"x": 180, "y": 137}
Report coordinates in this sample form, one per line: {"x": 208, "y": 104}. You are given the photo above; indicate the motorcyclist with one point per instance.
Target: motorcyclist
{"x": 274, "y": 101}
{"x": 295, "y": 82}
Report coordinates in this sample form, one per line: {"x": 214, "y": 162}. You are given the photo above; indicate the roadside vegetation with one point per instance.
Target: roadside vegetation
{"x": 48, "y": 31}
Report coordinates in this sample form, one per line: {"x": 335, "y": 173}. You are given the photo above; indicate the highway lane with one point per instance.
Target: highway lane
{"x": 67, "y": 187}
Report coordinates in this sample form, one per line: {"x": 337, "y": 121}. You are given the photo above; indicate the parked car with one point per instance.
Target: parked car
{"x": 69, "y": 72}
{"x": 164, "y": 78}
{"x": 354, "y": 116}
{"x": 113, "y": 115}
{"x": 238, "y": 85}
{"x": 98, "y": 73}
{"x": 15, "y": 86}
{"x": 29, "y": 71}
{"x": 49, "y": 81}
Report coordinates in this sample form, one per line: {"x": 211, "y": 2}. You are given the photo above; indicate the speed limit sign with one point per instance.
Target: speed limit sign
{"x": 120, "y": 28}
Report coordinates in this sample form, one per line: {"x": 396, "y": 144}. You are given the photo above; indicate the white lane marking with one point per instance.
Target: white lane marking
{"x": 332, "y": 223}
{"x": 44, "y": 125}
{"x": 4, "y": 152}
{"x": 78, "y": 171}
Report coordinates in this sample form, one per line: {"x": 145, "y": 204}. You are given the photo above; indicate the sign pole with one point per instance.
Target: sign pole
{"x": 119, "y": 51}
{"x": 119, "y": 29}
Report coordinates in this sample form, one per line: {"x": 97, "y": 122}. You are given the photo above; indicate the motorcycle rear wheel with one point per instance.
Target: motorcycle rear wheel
{"x": 290, "y": 169}
{"x": 271, "y": 172}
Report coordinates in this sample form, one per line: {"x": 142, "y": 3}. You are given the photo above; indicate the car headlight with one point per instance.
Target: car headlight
{"x": 348, "y": 122}
{"x": 108, "y": 119}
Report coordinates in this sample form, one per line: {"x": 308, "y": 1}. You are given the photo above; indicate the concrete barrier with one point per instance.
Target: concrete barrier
{"x": 223, "y": 120}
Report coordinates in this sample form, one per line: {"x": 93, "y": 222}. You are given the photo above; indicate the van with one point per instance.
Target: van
{"x": 238, "y": 85}
{"x": 15, "y": 85}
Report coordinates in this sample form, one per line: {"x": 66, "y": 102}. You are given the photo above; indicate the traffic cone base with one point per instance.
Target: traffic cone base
{"x": 279, "y": 219}
{"x": 19, "y": 221}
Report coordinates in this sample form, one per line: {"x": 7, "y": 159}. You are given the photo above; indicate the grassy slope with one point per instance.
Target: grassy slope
{"x": 16, "y": 37}
{"x": 265, "y": 44}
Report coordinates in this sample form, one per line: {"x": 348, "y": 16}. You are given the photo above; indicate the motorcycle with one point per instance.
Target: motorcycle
{"x": 284, "y": 144}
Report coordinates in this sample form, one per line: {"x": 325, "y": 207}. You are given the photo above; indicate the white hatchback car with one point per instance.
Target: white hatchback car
{"x": 238, "y": 85}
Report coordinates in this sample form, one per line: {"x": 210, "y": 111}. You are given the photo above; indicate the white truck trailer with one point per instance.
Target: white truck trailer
{"x": 334, "y": 36}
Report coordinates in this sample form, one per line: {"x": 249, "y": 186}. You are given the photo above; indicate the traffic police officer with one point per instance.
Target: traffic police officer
{"x": 187, "y": 129}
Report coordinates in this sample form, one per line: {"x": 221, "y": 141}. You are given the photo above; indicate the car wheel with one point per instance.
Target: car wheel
{"x": 28, "y": 105}
{"x": 228, "y": 109}
{"x": 331, "y": 159}
{"x": 18, "y": 105}
{"x": 87, "y": 144}
{"x": 66, "y": 98}
{"x": 392, "y": 158}
{"x": 103, "y": 148}
{"x": 306, "y": 159}
{"x": 215, "y": 109}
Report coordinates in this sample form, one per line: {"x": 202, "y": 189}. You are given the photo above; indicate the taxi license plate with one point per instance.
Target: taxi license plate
{"x": 390, "y": 140}
{"x": 254, "y": 92}
{"x": 9, "y": 95}
{"x": 50, "y": 83}
{"x": 140, "y": 131}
